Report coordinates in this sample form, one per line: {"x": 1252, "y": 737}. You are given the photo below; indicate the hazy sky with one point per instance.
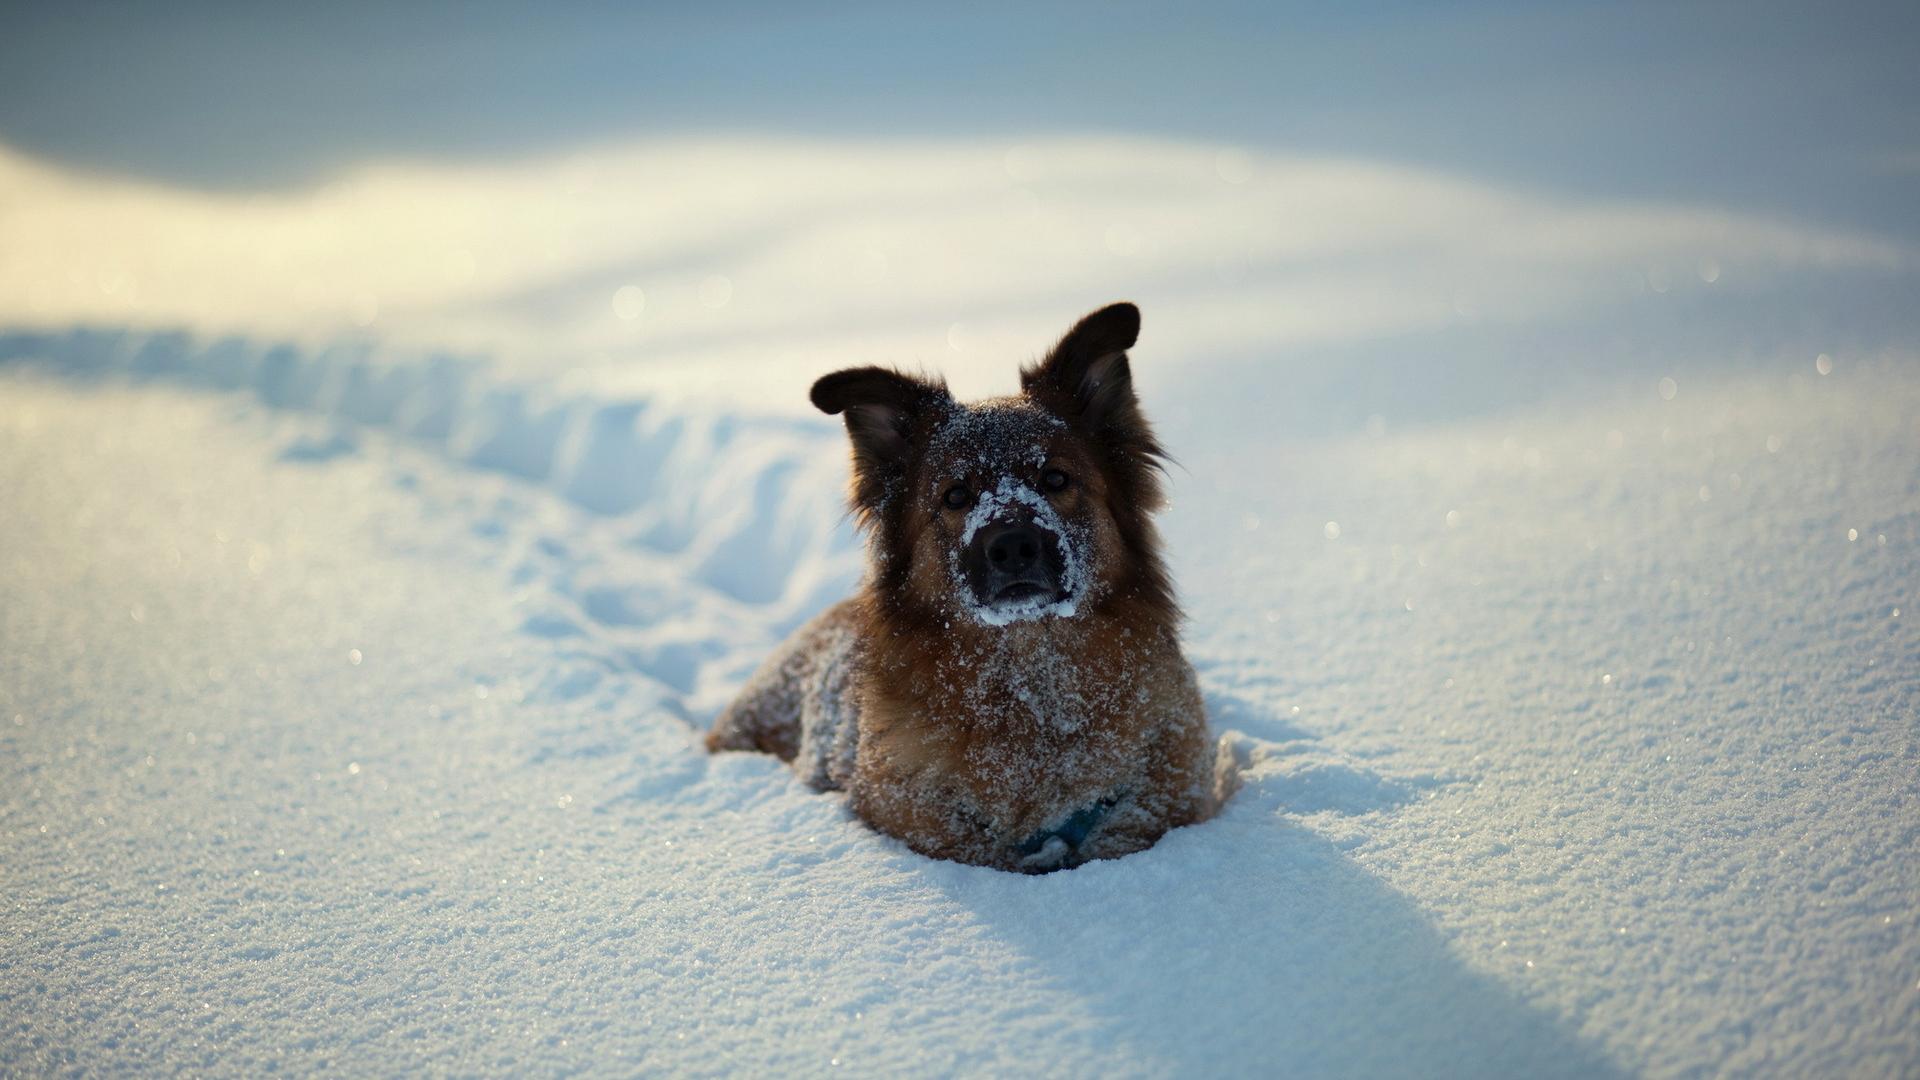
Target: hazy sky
{"x": 1809, "y": 111}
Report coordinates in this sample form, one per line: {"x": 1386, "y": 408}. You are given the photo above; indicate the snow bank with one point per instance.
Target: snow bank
{"x": 740, "y": 268}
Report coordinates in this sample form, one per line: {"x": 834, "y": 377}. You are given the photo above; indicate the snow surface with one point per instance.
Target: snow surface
{"x": 1552, "y": 560}
{"x": 738, "y": 270}
{"x": 344, "y": 725}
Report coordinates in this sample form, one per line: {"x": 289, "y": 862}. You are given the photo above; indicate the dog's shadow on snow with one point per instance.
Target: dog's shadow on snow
{"x": 1247, "y": 940}
{"x": 1250, "y": 938}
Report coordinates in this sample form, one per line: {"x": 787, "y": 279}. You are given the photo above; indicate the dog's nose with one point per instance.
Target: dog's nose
{"x": 1011, "y": 549}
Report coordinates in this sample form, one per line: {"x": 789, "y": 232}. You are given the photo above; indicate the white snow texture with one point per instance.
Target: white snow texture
{"x": 350, "y": 701}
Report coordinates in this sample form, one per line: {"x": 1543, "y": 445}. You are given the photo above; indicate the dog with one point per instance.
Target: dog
{"x": 1007, "y": 687}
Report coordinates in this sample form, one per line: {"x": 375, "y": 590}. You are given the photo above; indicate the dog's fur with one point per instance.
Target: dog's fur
{"x": 1029, "y": 733}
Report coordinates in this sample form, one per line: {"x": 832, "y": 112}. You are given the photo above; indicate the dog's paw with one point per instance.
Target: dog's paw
{"x": 1053, "y": 854}
{"x": 1233, "y": 756}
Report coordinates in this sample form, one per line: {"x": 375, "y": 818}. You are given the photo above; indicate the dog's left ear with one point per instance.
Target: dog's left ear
{"x": 1085, "y": 379}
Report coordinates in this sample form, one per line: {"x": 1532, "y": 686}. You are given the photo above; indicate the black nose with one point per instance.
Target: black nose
{"x": 1011, "y": 549}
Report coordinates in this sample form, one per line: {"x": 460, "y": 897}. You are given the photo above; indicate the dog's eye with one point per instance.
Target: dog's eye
{"x": 958, "y": 497}
{"x": 1054, "y": 480}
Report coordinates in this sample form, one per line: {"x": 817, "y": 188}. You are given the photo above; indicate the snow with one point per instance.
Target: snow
{"x": 961, "y": 254}
{"x": 351, "y": 688}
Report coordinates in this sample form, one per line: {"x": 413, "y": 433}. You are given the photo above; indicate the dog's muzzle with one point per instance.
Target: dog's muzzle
{"x": 1013, "y": 562}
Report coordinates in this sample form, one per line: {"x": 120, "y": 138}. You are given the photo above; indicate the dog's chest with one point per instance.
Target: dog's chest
{"x": 1034, "y": 686}
{"x": 1011, "y": 726}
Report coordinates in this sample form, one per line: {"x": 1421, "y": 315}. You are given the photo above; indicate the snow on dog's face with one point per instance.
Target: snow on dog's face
{"x": 1002, "y": 512}
{"x": 1015, "y": 510}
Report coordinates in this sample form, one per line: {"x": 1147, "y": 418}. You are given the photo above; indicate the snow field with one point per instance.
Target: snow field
{"x": 359, "y": 729}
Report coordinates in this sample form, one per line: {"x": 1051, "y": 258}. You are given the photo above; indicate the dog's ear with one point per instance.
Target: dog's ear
{"x": 1085, "y": 379}
{"x": 883, "y": 410}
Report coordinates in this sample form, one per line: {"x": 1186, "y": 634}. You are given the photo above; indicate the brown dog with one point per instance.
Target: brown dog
{"x": 1007, "y": 687}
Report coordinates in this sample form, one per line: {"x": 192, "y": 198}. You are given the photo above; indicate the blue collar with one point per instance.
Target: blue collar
{"x": 1074, "y": 830}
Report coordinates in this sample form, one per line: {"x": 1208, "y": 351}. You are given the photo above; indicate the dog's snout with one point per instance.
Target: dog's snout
{"x": 1013, "y": 560}
{"x": 1012, "y": 549}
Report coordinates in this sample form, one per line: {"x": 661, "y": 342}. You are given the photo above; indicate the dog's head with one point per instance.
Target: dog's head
{"x": 1014, "y": 509}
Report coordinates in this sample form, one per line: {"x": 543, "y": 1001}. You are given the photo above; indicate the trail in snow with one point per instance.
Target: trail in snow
{"x": 726, "y": 521}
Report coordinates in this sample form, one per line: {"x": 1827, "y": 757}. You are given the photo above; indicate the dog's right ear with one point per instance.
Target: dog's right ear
{"x": 1086, "y": 379}
{"x": 883, "y": 409}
